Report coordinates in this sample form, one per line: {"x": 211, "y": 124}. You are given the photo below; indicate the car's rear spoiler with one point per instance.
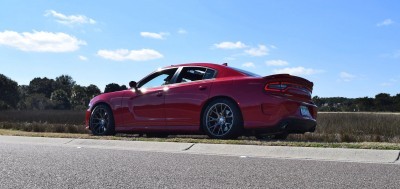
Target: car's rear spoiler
{"x": 290, "y": 79}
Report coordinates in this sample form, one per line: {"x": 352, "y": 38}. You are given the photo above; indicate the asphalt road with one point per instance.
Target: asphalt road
{"x": 47, "y": 166}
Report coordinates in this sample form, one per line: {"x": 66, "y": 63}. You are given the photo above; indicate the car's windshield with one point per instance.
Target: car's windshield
{"x": 246, "y": 72}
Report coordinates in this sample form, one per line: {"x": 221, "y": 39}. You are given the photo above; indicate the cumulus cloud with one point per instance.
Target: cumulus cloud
{"x": 69, "y": 19}
{"x": 344, "y": 76}
{"x": 182, "y": 31}
{"x": 230, "y": 45}
{"x": 83, "y": 58}
{"x": 249, "y": 65}
{"x": 297, "y": 71}
{"x": 160, "y": 35}
{"x": 40, "y": 41}
{"x": 134, "y": 55}
{"x": 261, "y": 50}
{"x": 386, "y": 22}
{"x": 276, "y": 63}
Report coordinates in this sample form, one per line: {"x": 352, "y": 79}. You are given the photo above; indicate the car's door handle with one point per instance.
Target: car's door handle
{"x": 202, "y": 87}
{"x": 159, "y": 93}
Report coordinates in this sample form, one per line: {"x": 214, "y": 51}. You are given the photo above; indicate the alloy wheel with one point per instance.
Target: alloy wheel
{"x": 220, "y": 119}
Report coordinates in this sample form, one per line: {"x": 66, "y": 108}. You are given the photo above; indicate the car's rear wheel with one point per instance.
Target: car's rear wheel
{"x": 102, "y": 121}
{"x": 222, "y": 119}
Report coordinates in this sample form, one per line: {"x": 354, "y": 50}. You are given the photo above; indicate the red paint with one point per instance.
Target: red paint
{"x": 177, "y": 107}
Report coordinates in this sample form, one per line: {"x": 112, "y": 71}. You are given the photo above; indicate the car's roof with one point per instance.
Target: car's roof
{"x": 210, "y": 65}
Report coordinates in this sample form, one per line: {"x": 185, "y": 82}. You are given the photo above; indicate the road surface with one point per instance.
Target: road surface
{"x": 46, "y": 165}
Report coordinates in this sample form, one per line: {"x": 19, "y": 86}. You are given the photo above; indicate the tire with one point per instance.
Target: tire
{"x": 102, "y": 121}
{"x": 222, "y": 119}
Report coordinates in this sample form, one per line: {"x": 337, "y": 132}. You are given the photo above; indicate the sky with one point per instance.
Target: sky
{"x": 347, "y": 48}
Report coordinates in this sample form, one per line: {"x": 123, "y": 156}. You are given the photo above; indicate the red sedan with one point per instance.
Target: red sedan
{"x": 218, "y": 100}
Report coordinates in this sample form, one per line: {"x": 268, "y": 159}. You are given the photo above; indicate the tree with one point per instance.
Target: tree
{"x": 317, "y": 100}
{"x": 65, "y": 83}
{"x": 114, "y": 87}
{"x": 41, "y": 86}
{"x": 92, "y": 91}
{"x": 23, "y": 91}
{"x": 396, "y": 103}
{"x": 9, "y": 95}
{"x": 383, "y": 102}
{"x": 79, "y": 98}
{"x": 60, "y": 99}
{"x": 36, "y": 101}
{"x": 365, "y": 104}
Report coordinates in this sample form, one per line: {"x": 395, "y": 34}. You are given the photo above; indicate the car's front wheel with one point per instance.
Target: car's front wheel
{"x": 102, "y": 121}
{"x": 222, "y": 119}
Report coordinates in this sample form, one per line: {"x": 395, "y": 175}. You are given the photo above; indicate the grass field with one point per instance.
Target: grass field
{"x": 332, "y": 127}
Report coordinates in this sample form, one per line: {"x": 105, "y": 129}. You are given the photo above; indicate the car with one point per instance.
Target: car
{"x": 205, "y": 98}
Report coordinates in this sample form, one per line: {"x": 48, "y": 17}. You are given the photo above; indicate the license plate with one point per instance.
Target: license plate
{"x": 304, "y": 111}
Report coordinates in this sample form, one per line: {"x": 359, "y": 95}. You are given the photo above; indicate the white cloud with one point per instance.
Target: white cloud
{"x": 83, "y": 58}
{"x": 249, "y": 65}
{"x": 386, "y": 84}
{"x": 261, "y": 50}
{"x": 134, "y": 55}
{"x": 160, "y": 35}
{"x": 386, "y": 22}
{"x": 297, "y": 71}
{"x": 230, "y": 45}
{"x": 344, "y": 76}
{"x": 389, "y": 83}
{"x": 69, "y": 19}
{"x": 40, "y": 41}
{"x": 276, "y": 63}
{"x": 182, "y": 31}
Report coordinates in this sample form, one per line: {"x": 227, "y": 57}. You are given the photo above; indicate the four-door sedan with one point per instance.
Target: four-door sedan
{"x": 218, "y": 100}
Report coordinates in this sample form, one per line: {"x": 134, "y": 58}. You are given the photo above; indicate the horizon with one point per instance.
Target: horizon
{"x": 347, "y": 49}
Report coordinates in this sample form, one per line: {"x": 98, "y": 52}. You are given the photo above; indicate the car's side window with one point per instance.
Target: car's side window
{"x": 209, "y": 74}
{"x": 157, "y": 79}
{"x": 189, "y": 74}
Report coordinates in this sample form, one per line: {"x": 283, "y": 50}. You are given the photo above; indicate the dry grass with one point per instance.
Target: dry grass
{"x": 43, "y": 127}
{"x": 354, "y": 127}
{"x": 332, "y": 127}
{"x": 44, "y": 116}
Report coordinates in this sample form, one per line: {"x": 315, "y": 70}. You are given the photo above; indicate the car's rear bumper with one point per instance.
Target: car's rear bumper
{"x": 290, "y": 125}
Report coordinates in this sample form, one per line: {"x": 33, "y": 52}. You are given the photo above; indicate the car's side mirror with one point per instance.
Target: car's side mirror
{"x": 133, "y": 85}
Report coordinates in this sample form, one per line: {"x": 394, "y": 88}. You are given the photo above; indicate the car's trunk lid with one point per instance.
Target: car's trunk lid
{"x": 289, "y": 85}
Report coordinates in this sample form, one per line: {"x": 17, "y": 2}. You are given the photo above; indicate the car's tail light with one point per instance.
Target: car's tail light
{"x": 276, "y": 86}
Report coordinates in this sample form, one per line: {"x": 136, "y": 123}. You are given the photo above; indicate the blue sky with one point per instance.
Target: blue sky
{"x": 347, "y": 48}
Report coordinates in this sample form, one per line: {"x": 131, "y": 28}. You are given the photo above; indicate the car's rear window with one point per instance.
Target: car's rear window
{"x": 251, "y": 74}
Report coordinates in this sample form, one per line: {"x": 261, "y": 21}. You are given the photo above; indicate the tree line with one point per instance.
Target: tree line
{"x": 382, "y": 102}
{"x": 64, "y": 94}
{"x": 61, "y": 93}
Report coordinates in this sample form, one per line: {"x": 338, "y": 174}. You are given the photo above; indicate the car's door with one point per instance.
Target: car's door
{"x": 146, "y": 105}
{"x": 184, "y": 98}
